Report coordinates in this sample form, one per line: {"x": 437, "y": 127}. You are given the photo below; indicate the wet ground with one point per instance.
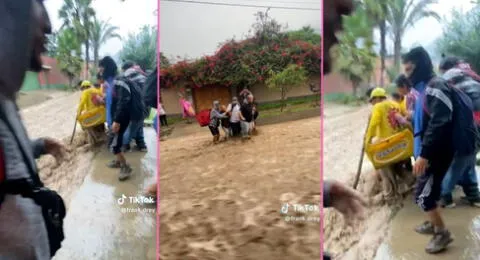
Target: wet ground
{"x": 405, "y": 244}
{"x": 98, "y": 226}
{"x": 223, "y": 201}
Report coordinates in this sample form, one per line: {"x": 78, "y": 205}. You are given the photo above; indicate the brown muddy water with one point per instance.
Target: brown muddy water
{"x": 404, "y": 243}
{"x": 98, "y": 225}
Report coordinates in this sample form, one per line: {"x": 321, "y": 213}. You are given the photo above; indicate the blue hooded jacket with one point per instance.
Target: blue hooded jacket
{"x": 418, "y": 118}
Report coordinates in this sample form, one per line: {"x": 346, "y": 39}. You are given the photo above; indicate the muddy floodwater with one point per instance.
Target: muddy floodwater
{"x": 99, "y": 225}
{"x": 403, "y": 243}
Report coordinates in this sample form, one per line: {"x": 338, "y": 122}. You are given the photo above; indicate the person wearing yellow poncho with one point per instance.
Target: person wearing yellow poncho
{"x": 91, "y": 111}
{"x": 387, "y": 118}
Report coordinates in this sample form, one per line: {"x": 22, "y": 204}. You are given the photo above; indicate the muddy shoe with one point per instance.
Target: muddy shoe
{"x": 426, "y": 228}
{"x": 472, "y": 202}
{"x": 114, "y": 164}
{"x": 439, "y": 242}
{"x": 125, "y": 173}
{"x": 447, "y": 204}
{"x": 142, "y": 149}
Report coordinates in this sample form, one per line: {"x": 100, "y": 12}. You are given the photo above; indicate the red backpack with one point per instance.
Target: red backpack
{"x": 203, "y": 117}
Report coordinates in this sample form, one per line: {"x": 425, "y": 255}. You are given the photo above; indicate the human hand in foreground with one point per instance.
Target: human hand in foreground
{"x": 55, "y": 148}
{"x": 347, "y": 201}
{"x": 115, "y": 127}
{"x": 420, "y": 166}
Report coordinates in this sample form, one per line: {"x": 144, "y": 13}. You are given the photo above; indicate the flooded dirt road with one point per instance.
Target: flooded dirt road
{"x": 98, "y": 225}
{"x": 223, "y": 201}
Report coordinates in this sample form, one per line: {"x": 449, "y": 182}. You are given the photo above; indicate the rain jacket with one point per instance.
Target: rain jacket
{"x": 433, "y": 131}
{"x": 461, "y": 80}
{"x": 127, "y": 102}
{"x": 87, "y": 99}
{"x": 384, "y": 122}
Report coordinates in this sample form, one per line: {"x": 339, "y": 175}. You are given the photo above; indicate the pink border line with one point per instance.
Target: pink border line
{"x": 321, "y": 131}
{"x": 157, "y": 226}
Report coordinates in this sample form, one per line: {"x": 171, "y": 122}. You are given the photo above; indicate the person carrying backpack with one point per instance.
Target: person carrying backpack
{"x": 462, "y": 170}
{"x": 135, "y": 127}
{"x": 126, "y": 106}
{"x": 443, "y": 127}
{"x": 31, "y": 215}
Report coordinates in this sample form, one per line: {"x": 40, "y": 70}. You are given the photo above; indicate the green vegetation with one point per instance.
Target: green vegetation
{"x": 69, "y": 54}
{"x": 141, "y": 48}
{"x": 356, "y": 62}
{"x": 344, "y": 99}
{"x": 77, "y": 17}
{"x": 247, "y": 62}
{"x": 306, "y": 34}
{"x": 290, "y": 77}
{"x": 102, "y": 31}
{"x": 461, "y": 36}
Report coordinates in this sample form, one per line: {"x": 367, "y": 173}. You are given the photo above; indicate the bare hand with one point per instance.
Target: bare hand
{"x": 347, "y": 201}
{"x": 420, "y": 166}
{"x": 115, "y": 127}
{"x": 55, "y": 148}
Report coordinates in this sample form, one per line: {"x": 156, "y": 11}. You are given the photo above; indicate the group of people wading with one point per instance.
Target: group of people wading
{"x": 121, "y": 103}
{"x": 442, "y": 114}
{"x": 237, "y": 119}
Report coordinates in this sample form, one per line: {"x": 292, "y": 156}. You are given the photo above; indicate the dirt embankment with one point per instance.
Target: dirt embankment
{"x": 223, "y": 201}
{"x": 344, "y": 130}
{"x": 55, "y": 118}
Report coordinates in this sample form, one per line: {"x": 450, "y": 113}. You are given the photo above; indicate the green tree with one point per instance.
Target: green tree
{"x": 355, "y": 55}
{"x": 266, "y": 29}
{"x": 461, "y": 36}
{"x": 52, "y": 44}
{"x": 78, "y": 15}
{"x": 102, "y": 31}
{"x": 306, "y": 34}
{"x": 141, "y": 48}
{"x": 291, "y": 76}
{"x": 402, "y": 15}
{"x": 378, "y": 13}
{"x": 69, "y": 54}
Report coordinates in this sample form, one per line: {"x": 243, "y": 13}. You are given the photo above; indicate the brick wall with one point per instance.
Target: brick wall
{"x": 53, "y": 76}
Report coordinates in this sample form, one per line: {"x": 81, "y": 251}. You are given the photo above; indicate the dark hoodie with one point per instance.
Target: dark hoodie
{"x": 432, "y": 130}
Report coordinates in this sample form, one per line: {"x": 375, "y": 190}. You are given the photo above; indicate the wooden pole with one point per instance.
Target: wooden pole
{"x": 360, "y": 162}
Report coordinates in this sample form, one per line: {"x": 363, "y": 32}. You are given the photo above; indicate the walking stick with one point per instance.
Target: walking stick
{"x": 360, "y": 162}
{"x": 74, "y": 129}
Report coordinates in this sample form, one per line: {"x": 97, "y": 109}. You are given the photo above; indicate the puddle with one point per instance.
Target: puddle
{"x": 97, "y": 227}
{"x": 405, "y": 244}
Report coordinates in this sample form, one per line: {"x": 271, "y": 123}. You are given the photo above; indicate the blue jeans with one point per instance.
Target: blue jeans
{"x": 135, "y": 131}
{"x": 461, "y": 172}
{"x": 155, "y": 123}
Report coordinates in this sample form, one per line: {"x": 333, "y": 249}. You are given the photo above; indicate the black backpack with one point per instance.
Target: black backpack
{"x": 137, "y": 109}
{"x": 150, "y": 90}
{"x": 465, "y": 135}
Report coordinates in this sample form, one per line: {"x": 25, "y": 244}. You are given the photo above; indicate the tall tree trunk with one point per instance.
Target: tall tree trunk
{"x": 383, "y": 50}
{"x": 95, "y": 56}
{"x": 397, "y": 48}
{"x": 87, "y": 57}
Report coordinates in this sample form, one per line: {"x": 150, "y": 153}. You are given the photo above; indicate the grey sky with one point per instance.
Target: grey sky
{"x": 427, "y": 31}
{"x": 129, "y": 16}
{"x": 193, "y": 30}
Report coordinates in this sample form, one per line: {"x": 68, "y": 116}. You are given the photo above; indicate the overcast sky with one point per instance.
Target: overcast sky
{"x": 129, "y": 16}
{"x": 192, "y": 30}
{"x": 428, "y": 30}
